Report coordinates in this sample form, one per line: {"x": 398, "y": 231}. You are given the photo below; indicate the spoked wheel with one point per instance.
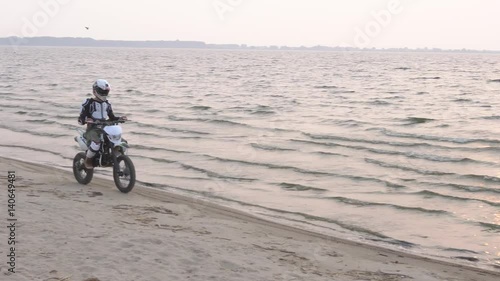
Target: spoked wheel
{"x": 82, "y": 175}
{"x": 124, "y": 174}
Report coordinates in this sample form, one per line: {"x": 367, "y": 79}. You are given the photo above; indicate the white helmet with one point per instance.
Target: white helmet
{"x": 101, "y": 89}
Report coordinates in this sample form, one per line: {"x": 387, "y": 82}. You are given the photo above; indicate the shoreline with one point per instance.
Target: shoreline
{"x": 202, "y": 240}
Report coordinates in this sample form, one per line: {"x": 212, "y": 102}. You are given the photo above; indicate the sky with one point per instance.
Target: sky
{"x": 446, "y": 24}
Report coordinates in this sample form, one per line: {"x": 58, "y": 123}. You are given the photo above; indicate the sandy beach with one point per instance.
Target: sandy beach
{"x": 67, "y": 231}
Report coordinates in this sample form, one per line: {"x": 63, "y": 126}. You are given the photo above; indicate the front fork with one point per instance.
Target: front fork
{"x": 117, "y": 151}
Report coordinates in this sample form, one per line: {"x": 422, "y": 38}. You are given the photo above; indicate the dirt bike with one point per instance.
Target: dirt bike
{"x": 112, "y": 153}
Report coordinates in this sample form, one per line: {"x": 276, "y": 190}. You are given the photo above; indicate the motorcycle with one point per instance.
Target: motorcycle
{"x": 112, "y": 153}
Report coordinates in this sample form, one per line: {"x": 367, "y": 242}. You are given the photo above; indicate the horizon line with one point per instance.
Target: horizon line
{"x": 201, "y": 45}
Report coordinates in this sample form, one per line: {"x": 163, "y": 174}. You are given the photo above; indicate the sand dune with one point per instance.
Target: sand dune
{"x": 66, "y": 231}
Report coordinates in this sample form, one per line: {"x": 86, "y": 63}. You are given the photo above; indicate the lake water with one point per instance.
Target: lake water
{"x": 400, "y": 150}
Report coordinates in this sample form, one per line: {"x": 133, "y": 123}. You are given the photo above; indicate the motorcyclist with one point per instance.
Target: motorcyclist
{"x": 96, "y": 108}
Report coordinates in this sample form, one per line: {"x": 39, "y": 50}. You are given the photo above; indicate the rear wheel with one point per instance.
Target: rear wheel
{"x": 82, "y": 175}
{"x": 124, "y": 174}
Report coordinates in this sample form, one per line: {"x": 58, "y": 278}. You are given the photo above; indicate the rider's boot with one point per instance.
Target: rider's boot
{"x": 89, "y": 165}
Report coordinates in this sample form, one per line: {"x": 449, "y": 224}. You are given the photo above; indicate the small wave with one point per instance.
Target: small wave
{"x": 472, "y": 259}
{"x": 145, "y": 134}
{"x": 396, "y": 96}
{"x": 434, "y": 158}
{"x": 428, "y": 193}
{"x": 170, "y": 137}
{"x": 491, "y": 179}
{"x": 460, "y": 250}
{"x": 67, "y": 117}
{"x": 310, "y": 172}
{"x": 330, "y": 153}
{"x": 214, "y": 174}
{"x": 435, "y": 138}
{"x": 461, "y": 187}
{"x": 348, "y": 139}
{"x": 443, "y": 126}
{"x": 21, "y": 112}
{"x": 360, "y": 203}
{"x": 270, "y": 148}
{"x": 404, "y": 168}
{"x": 259, "y": 110}
{"x": 237, "y": 108}
{"x": 379, "y": 102}
{"x": 268, "y": 165}
{"x": 343, "y": 92}
{"x": 263, "y": 112}
{"x": 427, "y": 78}
{"x": 209, "y": 173}
{"x": 490, "y": 227}
{"x": 24, "y": 106}
{"x": 31, "y": 132}
{"x": 152, "y": 111}
{"x": 402, "y": 68}
{"x": 200, "y": 107}
{"x": 298, "y": 187}
{"x": 417, "y": 120}
{"x": 391, "y": 143}
{"x": 309, "y": 218}
{"x": 41, "y": 121}
{"x": 132, "y": 90}
{"x": 493, "y": 117}
{"x": 143, "y": 125}
{"x": 215, "y": 121}
{"x": 371, "y": 141}
{"x": 161, "y": 160}
{"x": 350, "y": 123}
{"x": 438, "y": 158}
{"x": 158, "y": 185}
{"x": 227, "y": 122}
{"x": 24, "y": 100}
{"x": 143, "y": 147}
{"x": 325, "y": 87}
{"x": 400, "y": 243}
{"x": 494, "y": 81}
{"x": 36, "y": 149}
{"x": 462, "y": 100}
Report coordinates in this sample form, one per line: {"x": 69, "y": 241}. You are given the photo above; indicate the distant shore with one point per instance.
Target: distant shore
{"x": 89, "y": 42}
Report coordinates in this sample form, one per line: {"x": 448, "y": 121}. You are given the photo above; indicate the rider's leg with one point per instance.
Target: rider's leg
{"x": 94, "y": 146}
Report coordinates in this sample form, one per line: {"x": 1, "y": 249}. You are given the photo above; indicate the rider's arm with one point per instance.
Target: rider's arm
{"x": 84, "y": 112}
{"x": 111, "y": 115}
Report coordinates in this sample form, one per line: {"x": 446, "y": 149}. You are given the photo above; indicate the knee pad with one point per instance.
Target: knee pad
{"x": 94, "y": 147}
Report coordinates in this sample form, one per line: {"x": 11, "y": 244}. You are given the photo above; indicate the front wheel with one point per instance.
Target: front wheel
{"x": 124, "y": 173}
{"x": 82, "y": 175}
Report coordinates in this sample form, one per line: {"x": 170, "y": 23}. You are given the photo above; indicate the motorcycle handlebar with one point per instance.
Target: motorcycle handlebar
{"x": 107, "y": 122}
